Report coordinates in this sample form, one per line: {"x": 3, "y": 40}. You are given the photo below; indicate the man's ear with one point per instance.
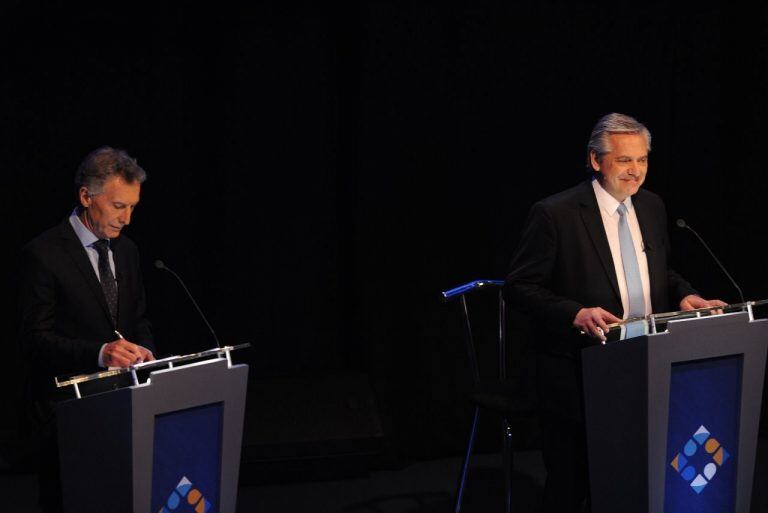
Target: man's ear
{"x": 593, "y": 160}
{"x": 85, "y": 198}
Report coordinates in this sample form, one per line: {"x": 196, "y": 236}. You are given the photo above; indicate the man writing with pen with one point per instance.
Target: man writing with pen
{"x": 81, "y": 297}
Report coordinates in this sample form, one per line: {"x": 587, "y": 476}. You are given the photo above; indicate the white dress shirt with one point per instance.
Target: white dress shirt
{"x": 608, "y": 212}
{"x": 87, "y": 239}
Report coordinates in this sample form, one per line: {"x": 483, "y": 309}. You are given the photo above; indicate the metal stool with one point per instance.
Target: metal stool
{"x": 496, "y": 395}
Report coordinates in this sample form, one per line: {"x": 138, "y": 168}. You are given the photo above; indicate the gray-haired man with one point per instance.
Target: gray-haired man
{"x": 589, "y": 256}
{"x": 81, "y": 296}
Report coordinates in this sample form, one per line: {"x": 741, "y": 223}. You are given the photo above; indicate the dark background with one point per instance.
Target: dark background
{"x": 319, "y": 173}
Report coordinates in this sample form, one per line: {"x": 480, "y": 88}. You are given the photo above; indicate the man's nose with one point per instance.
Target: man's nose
{"x": 125, "y": 217}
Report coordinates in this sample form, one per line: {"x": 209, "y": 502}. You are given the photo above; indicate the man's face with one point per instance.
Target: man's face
{"x": 622, "y": 170}
{"x": 106, "y": 213}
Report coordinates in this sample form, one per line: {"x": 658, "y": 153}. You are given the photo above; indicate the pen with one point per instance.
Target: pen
{"x": 123, "y": 338}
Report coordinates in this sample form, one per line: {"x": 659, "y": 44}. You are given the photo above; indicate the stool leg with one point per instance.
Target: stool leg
{"x": 467, "y": 456}
{"x": 507, "y": 462}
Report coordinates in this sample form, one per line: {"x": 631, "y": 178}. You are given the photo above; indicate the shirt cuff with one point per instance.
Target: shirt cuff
{"x": 101, "y": 356}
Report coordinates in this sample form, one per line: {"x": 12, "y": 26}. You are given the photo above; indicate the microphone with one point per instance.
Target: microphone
{"x": 160, "y": 265}
{"x": 682, "y": 224}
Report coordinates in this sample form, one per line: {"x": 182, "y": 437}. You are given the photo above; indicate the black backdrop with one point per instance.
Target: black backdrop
{"x": 318, "y": 173}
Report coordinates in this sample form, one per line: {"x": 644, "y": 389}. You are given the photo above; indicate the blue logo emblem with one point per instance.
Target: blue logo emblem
{"x": 714, "y": 457}
{"x": 185, "y": 492}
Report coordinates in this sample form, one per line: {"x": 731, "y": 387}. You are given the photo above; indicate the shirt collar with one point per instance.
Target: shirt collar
{"x": 86, "y": 236}
{"x": 606, "y": 202}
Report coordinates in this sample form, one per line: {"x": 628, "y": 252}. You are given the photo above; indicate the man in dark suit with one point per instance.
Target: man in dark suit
{"x": 589, "y": 256}
{"x": 81, "y": 297}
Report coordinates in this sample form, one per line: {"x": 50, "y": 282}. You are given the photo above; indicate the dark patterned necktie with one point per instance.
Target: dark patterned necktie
{"x": 108, "y": 283}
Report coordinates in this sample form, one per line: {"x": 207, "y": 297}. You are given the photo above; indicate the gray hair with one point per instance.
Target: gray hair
{"x": 104, "y": 163}
{"x": 609, "y": 124}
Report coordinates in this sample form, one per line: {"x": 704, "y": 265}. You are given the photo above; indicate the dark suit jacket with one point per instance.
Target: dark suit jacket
{"x": 563, "y": 264}
{"x": 64, "y": 315}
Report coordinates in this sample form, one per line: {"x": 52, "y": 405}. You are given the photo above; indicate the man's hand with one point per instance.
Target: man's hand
{"x": 693, "y": 302}
{"x": 121, "y": 353}
{"x": 594, "y": 321}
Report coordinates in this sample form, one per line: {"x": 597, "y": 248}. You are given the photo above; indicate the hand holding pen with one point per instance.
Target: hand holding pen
{"x": 122, "y": 353}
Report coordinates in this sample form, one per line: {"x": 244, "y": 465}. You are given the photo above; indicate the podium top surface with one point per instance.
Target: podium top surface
{"x": 665, "y": 317}
{"x": 169, "y": 362}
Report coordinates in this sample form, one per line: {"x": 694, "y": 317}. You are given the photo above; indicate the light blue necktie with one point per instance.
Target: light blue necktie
{"x": 631, "y": 275}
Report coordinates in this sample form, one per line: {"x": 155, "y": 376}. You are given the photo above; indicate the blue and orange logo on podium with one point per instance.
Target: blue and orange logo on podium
{"x": 682, "y": 460}
{"x": 184, "y": 491}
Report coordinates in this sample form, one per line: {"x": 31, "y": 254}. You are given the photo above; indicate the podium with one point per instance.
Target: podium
{"x": 672, "y": 418}
{"x": 169, "y": 444}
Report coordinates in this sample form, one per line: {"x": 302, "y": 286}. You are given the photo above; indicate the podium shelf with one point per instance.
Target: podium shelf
{"x": 168, "y": 362}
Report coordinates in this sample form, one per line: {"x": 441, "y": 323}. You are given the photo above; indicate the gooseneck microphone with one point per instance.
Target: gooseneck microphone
{"x": 160, "y": 265}
{"x": 682, "y": 224}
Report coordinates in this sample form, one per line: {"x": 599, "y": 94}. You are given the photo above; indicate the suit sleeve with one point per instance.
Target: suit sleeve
{"x": 528, "y": 284}
{"x": 38, "y": 338}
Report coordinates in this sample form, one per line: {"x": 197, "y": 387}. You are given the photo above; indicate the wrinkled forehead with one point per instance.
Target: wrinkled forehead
{"x": 117, "y": 189}
{"x": 630, "y": 144}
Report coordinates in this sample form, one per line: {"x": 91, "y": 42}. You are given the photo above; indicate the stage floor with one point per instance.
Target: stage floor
{"x": 420, "y": 487}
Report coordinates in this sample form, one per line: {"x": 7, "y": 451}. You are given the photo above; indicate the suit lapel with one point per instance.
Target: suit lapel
{"x": 590, "y": 215}
{"x": 76, "y": 252}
